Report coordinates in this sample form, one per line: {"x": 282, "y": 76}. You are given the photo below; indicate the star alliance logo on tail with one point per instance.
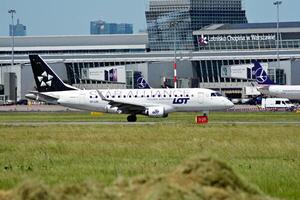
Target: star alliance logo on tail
{"x": 45, "y": 79}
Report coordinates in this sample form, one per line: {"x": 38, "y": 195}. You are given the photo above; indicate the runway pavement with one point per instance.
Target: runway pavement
{"x": 143, "y": 123}
{"x": 74, "y": 123}
{"x": 36, "y": 108}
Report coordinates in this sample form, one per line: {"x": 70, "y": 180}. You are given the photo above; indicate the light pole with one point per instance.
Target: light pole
{"x": 277, "y": 4}
{"x": 174, "y": 25}
{"x": 12, "y": 12}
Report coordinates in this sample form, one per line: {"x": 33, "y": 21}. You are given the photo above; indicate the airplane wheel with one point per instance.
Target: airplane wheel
{"x": 131, "y": 118}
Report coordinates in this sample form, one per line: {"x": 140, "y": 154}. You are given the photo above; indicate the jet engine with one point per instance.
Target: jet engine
{"x": 156, "y": 112}
{"x": 110, "y": 109}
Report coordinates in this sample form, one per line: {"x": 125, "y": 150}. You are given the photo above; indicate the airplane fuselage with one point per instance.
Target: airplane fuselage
{"x": 283, "y": 91}
{"x": 150, "y": 102}
{"x": 166, "y": 100}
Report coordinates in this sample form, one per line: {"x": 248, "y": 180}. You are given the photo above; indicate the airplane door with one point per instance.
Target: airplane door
{"x": 200, "y": 97}
{"x": 82, "y": 98}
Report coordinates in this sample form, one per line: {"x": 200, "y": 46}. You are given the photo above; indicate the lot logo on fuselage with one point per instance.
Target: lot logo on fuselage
{"x": 181, "y": 100}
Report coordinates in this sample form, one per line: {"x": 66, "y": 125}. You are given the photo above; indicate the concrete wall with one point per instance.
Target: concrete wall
{"x": 13, "y": 69}
{"x": 295, "y": 75}
{"x": 10, "y": 80}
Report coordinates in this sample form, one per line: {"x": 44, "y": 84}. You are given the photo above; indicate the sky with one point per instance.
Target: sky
{"x": 72, "y": 17}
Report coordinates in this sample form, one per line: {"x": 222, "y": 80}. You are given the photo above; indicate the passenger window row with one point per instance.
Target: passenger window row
{"x": 145, "y": 96}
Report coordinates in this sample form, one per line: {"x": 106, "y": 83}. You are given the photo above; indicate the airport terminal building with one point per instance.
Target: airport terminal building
{"x": 220, "y": 48}
{"x": 236, "y": 45}
{"x": 169, "y": 20}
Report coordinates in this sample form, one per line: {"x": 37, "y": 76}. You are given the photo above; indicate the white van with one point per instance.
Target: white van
{"x": 277, "y": 103}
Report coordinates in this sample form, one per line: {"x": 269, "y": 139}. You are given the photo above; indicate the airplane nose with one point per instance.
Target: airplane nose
{"x": 229, "y": 104}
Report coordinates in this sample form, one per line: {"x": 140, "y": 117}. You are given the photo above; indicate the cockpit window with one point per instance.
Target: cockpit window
{"x": 216, "y": 94}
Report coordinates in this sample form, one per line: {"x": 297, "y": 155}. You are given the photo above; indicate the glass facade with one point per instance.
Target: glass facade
{"x": 1, "y": 89}
{"x": 209, "y": 71}
{"x": 278, "y": 76}
{"x": 175, "y": 20}
{"x": 101, "y": 27}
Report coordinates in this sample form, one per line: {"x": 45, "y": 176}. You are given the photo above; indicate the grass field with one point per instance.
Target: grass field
{"x": 266, "y": 155}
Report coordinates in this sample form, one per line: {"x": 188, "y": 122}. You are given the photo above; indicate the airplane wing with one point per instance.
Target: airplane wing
{"x": 124, "y": 106}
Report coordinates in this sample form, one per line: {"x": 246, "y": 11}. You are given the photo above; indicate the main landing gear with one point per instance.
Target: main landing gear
{"x": 131, "y": 118}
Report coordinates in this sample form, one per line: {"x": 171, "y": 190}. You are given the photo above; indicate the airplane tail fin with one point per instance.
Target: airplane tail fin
{"x": 45, "y": 78}
{"x": 140, "y": 82}
{"x": 260, "y": 74}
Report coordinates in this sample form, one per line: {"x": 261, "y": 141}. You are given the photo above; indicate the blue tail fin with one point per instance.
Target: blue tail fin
{"x": 260, "y": 74}
{"x": 140, "y": 82}
{"x": 45, "y": 78}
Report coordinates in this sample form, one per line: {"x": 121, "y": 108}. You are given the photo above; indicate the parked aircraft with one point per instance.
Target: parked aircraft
{"x": 140, "y": 82}
{"x": 149, "y": 102}
{"x": 268, "y": 87}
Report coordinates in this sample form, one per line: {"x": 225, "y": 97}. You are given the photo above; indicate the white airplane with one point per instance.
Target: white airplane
{"x": 149, "y": 102}
{"x": 268, "y": 87}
